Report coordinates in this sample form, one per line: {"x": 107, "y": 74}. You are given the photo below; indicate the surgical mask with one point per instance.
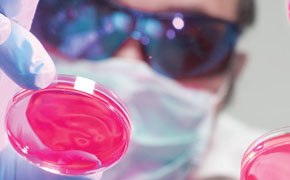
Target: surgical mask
{"x": 171, "y": 124}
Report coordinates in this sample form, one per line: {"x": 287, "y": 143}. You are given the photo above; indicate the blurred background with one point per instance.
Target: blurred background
{"x": 262, "y": 94}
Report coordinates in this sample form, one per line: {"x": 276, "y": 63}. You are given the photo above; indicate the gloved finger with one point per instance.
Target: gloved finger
{"x": 23, "y": 58}
{"x": 20, "y": 11}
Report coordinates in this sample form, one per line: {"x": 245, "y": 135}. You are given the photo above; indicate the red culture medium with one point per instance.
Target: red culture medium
{"x": 67, "y": 131}
{"x": 268, "y": 160}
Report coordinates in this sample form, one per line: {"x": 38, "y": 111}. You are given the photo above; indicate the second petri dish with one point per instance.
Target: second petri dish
{"x": 72, "y": 127}
{"x": 268, "y": 157}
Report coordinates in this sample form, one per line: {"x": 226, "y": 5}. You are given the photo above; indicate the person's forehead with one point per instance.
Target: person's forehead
{"x": 226, "y": 9}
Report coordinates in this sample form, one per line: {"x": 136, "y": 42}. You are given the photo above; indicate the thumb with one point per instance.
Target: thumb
{"x": 23, "y": 58}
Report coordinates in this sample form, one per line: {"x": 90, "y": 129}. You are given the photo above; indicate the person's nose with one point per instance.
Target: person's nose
{"x": 132, "y": 50}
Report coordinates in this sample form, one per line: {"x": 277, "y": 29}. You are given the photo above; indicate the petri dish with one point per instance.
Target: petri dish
{"x": 73, "y": 127}
{"x": 268, "y": 157}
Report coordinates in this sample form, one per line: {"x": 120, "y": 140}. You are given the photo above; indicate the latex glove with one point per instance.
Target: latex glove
{"x": 22, "y": 57}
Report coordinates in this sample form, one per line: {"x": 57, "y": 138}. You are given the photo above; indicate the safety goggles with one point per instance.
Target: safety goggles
{"x": 178, "y": 45}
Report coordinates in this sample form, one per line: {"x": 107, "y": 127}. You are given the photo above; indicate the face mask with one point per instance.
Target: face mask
{"x": 171, "y": 124}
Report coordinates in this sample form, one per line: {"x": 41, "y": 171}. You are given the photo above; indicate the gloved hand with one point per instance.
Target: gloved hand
{"x": 22, "y": 57}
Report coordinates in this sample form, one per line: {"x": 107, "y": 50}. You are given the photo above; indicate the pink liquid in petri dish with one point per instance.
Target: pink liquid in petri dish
{"x": 67, "y": 131}
{"x": 268, "y": 160}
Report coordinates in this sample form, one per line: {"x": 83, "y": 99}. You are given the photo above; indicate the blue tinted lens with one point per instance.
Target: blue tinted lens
{"x": 177, "y": 47}
{"x": 185, "y": 48}
{"x": 112, "y": 30}
{"x": 83, "y": 28}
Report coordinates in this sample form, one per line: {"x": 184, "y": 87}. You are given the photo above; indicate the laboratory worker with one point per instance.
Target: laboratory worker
{"x": 173, "y": 63}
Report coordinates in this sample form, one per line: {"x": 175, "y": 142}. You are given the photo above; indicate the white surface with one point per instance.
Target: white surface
{"x": 262, "y": 96}
{"x": 229, "y": 144}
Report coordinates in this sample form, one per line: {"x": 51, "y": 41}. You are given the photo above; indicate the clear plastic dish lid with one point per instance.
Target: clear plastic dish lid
{"x": 268, "y": 157}
{"x": 72, "y": 127}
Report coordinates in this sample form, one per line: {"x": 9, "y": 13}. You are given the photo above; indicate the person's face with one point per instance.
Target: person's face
{"x": 223, "y": 9}
{"x": 195, "y": 46}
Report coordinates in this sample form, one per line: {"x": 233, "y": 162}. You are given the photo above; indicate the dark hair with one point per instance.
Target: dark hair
{"x": 246, "y": 12}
